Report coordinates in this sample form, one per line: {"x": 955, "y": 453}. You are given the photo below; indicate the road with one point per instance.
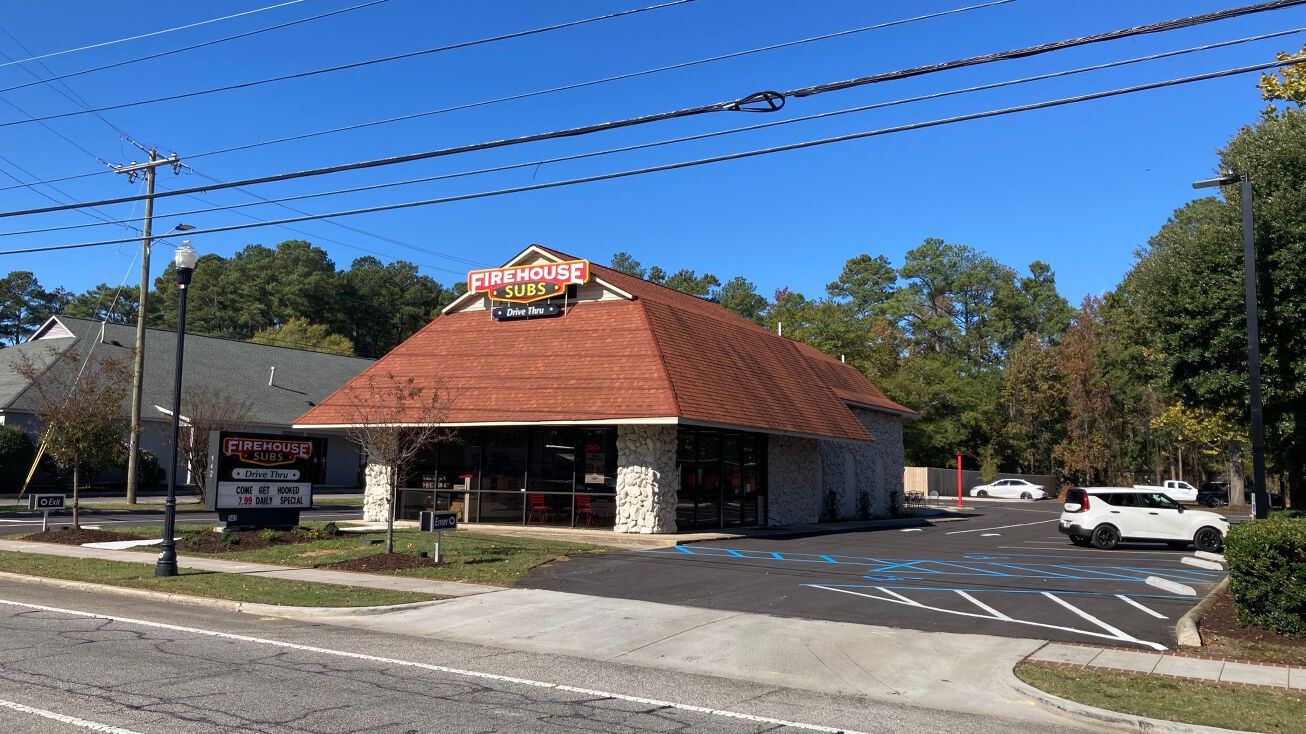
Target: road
{"x": 72, "y": 661}
{"x": 15, "y": 523}
{"x": 1005, "y": 571}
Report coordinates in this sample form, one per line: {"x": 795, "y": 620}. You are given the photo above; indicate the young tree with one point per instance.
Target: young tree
{"x": 81, "y": 404}
{"x": 204, "y": 410}
{"x": 394, "y": 419}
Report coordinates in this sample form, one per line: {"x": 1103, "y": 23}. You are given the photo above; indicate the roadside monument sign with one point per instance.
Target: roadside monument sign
{"x": 259, "y": 480}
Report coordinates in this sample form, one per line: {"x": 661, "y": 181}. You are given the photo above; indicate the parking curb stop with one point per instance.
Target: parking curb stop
{"x": 1092, "y": 714}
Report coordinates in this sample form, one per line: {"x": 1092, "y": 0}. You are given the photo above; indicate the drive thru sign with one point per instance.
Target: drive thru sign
{"x": 262, "y": 480}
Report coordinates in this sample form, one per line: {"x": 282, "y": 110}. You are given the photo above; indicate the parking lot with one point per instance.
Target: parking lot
{"x": 1005, "y": 570}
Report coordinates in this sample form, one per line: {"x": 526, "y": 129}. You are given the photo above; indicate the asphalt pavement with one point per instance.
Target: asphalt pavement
{"x": 72, "y": 661}
{"x": 1003, "y": 571}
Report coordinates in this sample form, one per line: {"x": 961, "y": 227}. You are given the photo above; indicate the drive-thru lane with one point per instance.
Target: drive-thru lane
{"x": 1006, "y": 571}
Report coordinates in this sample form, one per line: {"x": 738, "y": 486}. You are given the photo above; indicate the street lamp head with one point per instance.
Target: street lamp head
{"x": 183, "y": 228}
{"x": 185, "y": 262}
{"x": 1225, "y": 180}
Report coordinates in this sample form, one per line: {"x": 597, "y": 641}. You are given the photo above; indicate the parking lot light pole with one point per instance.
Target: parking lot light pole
{"x": 1261, "y": 495}
{"x": 184, "y": 261}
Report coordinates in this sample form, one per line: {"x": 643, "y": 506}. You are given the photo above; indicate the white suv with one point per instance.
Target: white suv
{"x": 1105, "y": 516}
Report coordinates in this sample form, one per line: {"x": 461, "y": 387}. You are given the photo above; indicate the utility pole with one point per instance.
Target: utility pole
{"x": 150, "y": 169}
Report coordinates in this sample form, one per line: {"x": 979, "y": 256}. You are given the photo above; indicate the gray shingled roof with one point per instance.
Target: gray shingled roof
{"x": 239, "y": 368}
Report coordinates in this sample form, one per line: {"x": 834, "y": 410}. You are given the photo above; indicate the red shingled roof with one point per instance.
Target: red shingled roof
{"x": 664, "y": 354}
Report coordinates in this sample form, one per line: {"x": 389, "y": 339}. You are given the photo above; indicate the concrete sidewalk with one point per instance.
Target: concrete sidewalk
{"x": 318, "y": 575}
{"x": 930, "y": 669}
{"x": 1175, "y": 666}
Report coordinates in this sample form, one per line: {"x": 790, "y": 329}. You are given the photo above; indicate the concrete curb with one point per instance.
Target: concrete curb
{"x": 1094, "y": 715}
{"x": 1185, "y": 630}
{"x": 262, "y": 610}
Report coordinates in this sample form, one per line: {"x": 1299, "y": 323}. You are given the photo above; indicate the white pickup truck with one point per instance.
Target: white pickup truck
{"x": 1176, "y": 489}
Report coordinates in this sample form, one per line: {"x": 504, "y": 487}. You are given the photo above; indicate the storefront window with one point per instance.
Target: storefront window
{"x": 721, "y": 478}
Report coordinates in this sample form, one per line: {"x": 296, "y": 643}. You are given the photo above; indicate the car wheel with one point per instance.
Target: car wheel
{"x": 982, "y": 493}
{"x": 1081, "y": 542}
{"x": 1026, "y": 496}
{"x": 1209, "y": 540}
{"x": 1106, "y": 537}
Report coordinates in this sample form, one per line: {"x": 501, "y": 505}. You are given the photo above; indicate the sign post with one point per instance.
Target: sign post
{"x": 958, "y": 481}
{"x": 259, "y": 480}
{"x": 438, "y": 520}
{"x": 45, "y": 503}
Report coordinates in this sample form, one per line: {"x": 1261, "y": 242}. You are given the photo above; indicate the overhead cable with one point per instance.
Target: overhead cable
{"x": 192, "y": 47}
{"x": 672, "y": 141}
{"x": 151, "y": 33}
{"x": 713, "y": 159}
{"x": 361, "y": 64}
{"x": 760, "y": 101}
{"x": 562, "y": 88}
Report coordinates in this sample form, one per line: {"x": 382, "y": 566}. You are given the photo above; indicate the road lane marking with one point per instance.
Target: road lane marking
{"x": 723, "y": 713}
{"x": 982, "y": 605}
{"x": 1000, "y": 527}
{"x": 66, "y": 719}
{"x": 1085, "y": 615}
{"x": 1133, "y": 603}
{"x": 1120, "y": 638}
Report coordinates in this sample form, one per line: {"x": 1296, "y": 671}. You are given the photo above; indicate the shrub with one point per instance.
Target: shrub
{"x": 268, "y": 535}
{"x": 331, "y": 530}
{"x": 1267, "y": 572}
{"x": 16, "y": 454}
{"x": 988, "y": 465}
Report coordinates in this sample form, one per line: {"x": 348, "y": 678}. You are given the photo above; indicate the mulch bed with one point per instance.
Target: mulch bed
{"x": 243, "y": 540}
{"x": 78, "y": 537}
{"x": 383, "y": 562}
{"x": 1219, "y": 623}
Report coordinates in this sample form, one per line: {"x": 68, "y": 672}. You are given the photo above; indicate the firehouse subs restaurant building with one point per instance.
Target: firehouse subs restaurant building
{"x": 582, "y": 396}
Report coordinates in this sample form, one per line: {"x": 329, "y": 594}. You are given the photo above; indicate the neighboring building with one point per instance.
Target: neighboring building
{"x": 629, "y": 405}
{"x": 278, "y": 383}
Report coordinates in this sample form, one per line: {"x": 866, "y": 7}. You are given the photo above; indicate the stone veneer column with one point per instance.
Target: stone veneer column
{"x": 647, "y": 479}
{"x": 376, "y": 492}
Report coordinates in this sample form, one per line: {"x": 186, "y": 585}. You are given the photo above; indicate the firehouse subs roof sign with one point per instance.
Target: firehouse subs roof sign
{"x": 528, "y": 283}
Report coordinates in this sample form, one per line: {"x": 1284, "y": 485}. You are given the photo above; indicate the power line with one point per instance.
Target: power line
{"x": 596, "y": 82}
{"x": 672, "y": 141}
{"x": 566, "y": 87}
{"x": 360, "y": 64}
{"x": 717, "y": 159}
{"x": 762, "y": 101}
{"x": 150, "y": 34}
{"x": 192, "y": 47}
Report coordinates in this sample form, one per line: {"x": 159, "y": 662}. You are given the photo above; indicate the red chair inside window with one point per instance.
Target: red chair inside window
{"x": 584, "y": 509}
{"x": 537, "y": 506}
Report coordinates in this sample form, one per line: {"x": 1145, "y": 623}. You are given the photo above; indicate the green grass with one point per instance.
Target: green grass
{"x": 236, "y": 587}
{"x": 66, "y": 515}
{"x": 468, "y": 556}
{"x": 1191, "y": 702}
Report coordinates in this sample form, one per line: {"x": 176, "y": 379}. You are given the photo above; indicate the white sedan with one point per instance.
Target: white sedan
{"x": 1010, "y": 488}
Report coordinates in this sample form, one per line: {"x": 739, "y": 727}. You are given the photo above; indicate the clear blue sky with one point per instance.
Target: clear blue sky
{"x": 1080, "y": 187}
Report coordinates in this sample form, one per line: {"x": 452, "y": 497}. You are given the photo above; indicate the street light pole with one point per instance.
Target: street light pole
{"x": 1261, "y": 492}
{"x": 184, "y": 261}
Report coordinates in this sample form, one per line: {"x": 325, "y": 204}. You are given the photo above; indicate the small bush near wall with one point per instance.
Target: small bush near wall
{"x": 1267, "y": 572}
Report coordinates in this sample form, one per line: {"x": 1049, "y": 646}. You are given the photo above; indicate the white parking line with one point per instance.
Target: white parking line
{"x": 723, "y": 713}
{"x": 1000, "y": 527}
{"x": 1085, "y": 615}
{"x": 64, "y": 718}
{"x": 982, "y": 605}
{"x": 1131, "y": 602}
